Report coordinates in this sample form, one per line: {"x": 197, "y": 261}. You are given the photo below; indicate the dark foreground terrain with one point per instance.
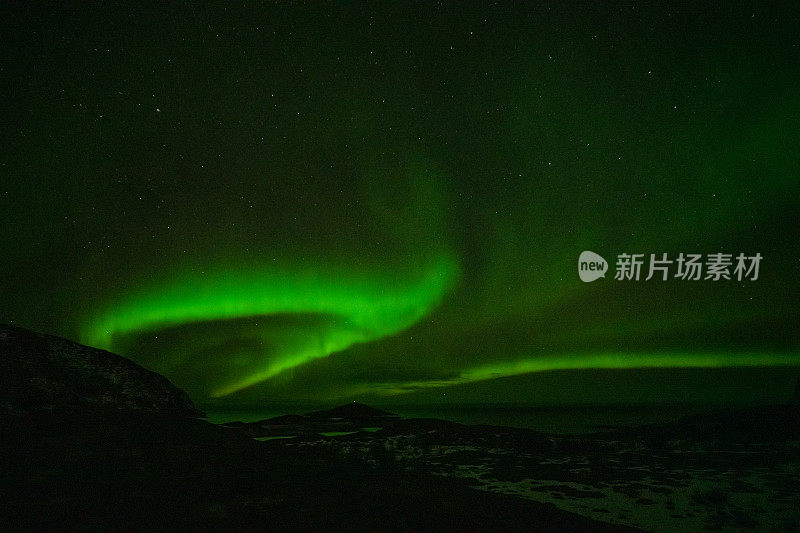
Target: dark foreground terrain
{"x": 722, "y": 470}
{"x": 90, "y": 440}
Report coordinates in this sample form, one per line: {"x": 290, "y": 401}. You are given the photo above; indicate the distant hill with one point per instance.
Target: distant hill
{"x": 43, "y": 373}
{"x": 352, "y": 411}
{"x": 736, "y": 424}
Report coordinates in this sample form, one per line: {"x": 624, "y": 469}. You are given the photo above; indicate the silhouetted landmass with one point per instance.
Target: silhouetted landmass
{"x": 89, "y": 439}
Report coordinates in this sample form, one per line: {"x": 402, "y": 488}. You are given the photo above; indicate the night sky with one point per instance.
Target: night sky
{"x": 330, "y": 202}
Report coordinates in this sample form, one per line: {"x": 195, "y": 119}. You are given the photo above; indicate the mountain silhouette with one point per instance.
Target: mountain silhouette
{"x": 47, "y": 373}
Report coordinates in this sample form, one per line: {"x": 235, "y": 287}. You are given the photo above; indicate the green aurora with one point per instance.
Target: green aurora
{"x": 315, "y": 204}
{"x": 369, "y": 308}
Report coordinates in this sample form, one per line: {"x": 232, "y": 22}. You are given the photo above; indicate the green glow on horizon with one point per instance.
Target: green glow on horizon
{"x": 371, "y": 306}
{"x": 587, "y": 361}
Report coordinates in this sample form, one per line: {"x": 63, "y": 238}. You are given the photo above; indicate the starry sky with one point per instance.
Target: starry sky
{"x": 325, "y": 202}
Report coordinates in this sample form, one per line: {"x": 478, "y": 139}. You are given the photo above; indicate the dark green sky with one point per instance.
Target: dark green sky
{"x": 329, "y": 202}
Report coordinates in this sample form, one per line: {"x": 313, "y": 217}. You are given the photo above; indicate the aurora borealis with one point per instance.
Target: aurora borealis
{"x": 328, "y": 203}
{"x": 360, "y": 310}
